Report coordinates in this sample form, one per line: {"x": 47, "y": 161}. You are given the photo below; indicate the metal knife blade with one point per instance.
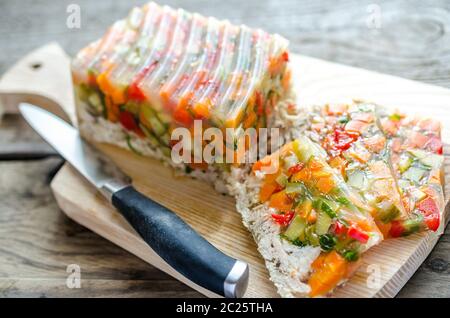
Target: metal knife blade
{"x": 168, "y": 235}
{"x": 66, "y": 140}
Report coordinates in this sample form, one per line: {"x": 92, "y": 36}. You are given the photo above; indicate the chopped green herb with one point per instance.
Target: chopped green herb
{"x": 343, "y": 120}
{"x": 343, "y": 200}
{"x": 395, "y": 117}
{"x": 327, "y": 242}
{"x": 132, "y": 147}
{"x": 351, "y": 256}
{"x": 298, "y": 242}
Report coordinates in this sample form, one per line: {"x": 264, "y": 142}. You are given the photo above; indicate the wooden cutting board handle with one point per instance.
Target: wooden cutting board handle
{"x": 42, "y": 78}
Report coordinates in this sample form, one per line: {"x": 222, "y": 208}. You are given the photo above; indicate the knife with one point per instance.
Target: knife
{"x": 167, "y": 234}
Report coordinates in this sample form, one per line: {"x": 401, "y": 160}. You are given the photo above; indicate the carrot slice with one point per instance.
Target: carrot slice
{"x": 267, "y": 190}
{"x": 281, "y": 201}
{"x": 329, "y": 271}
{"x": 325, "y": 185}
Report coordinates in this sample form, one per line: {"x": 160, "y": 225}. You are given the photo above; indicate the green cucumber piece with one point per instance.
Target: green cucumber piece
{"x": 165, "y": 139}
{"x": 412, "y": 225}
{"x": 387, "y": 211}
{"x": 403, "y": 183}
{"x": 419, "y": 154}
{"x": 164, "y": 118}
{"x": 166, "y": 151}
{"x": 303, "y": 149}
{"x": 323, "y": 223}
{"x": 130, "y": 145}
{"x": 327, "y": 206}
{"x": 295, "y": 187}
{"x": 82, "y": 92}
{"x": 311, "y": 236}
{"x": 158, "y": 127}
{"x": 282, "y": 180}
{"x": 405, "y": 163}
{"x": 432, "y": 160}
{"x": 152, "y": 139}
{"x": 151, "y": 120}
{"x": 290, "y": 161}
{"x": 296, "y": 229}
{"x": 95, "y": 100}
{"x": 414, "y": 174}
{"x": 132, "y": 107}
{"x": 358, "y": 180}
{"x": 418, "y": 195}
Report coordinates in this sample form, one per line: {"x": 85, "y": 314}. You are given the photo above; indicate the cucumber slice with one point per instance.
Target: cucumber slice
{"x": 327, "y": 206}
{"x": 412, "y": 225}
{"x": 419, "y": 154}
{"x": 305, "y": 207}
{"x": 432, "y": 160}
{"x": 282, "y": 180}
{"x": 151, "y": 120}
{"x": 311, "y": 236}
{"x": 151, "y": 138}
{"x": 132, "y": 107}
{"x": 157, "y": 126}
{"x": 404, "y": 163}
{"x": 164, "y": 118}
{"x": 166, "y": 151}
{"x": 296, "y": 229}
{"x": 295, "y": 187}
{"x": 303, "y": 149}
{"x": 165, "y": 139}
{"x": 290, "y": 161}
{"x": 82, "y": 92}
{"x": 358, "y": 180}
{"x": 323, "y": 223}
{"x": 418, "y": 195}
{"x": 414, "y": 174}
{"x": 387, "y": 211}
{"x": 403, "y": 183}
{"x": 95, "y": 101}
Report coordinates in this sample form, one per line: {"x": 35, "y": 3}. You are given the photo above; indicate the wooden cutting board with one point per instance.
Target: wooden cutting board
{"x": 386, "y": 267}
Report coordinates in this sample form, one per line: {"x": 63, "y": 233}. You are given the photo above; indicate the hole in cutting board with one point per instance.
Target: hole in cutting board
{"x": 36, "y": 65}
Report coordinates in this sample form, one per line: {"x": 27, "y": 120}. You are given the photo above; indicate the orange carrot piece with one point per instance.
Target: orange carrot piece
{"x": 329, "y": 271}
{"x": 281, "y": 201}
{"x": 325, "y": 185}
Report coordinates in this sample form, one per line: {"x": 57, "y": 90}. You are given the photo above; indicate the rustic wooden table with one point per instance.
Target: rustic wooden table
{"x": 37, "y": 242}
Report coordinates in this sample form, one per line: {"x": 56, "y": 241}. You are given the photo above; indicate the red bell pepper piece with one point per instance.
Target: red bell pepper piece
{"x": 430, "y": 212}
{"x": 296, "y": 168}
{"x": 340, "y": 140}
{"x": 283, "y": 219}
{"x": 339, "y": 228}
{"x": 134, "y": 92}
{"x": 434, "y": 144}
{"x": 397, "y": 229}
{"x": 128, "y": 121}
{"x": 358, "y": 235}
{"x": 259, "y": 104}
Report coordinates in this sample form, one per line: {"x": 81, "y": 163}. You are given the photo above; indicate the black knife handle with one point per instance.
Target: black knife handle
{"x": 180, "y": 246}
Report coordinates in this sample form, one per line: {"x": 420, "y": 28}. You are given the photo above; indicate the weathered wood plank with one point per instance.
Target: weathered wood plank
{"x": 18, "y": 141}
{"x": 413, "y": 39}
{"x": 38, "y": 242}
{"x": 413, "y": 42}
